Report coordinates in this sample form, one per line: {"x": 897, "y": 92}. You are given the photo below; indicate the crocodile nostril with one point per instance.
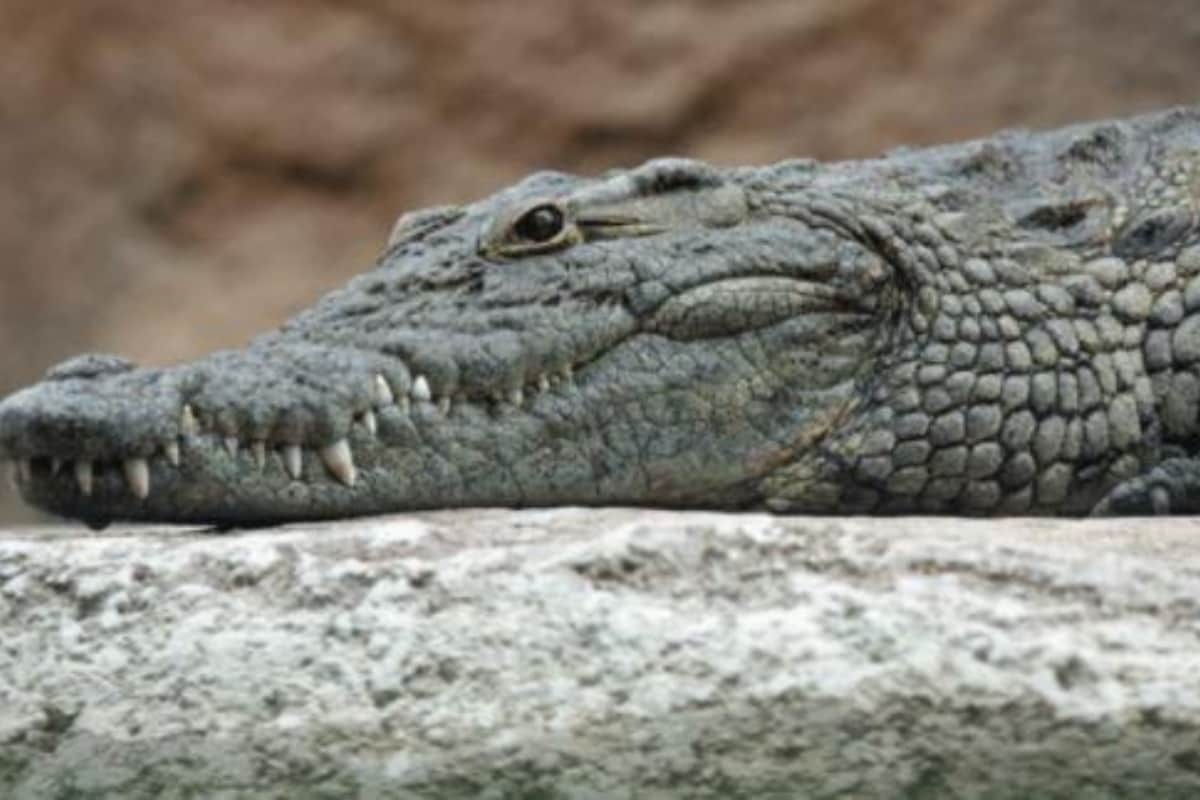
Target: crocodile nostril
{"x": 92, "y": 365}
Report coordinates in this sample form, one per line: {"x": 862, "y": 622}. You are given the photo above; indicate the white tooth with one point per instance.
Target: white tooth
{"x": 568, "y": 372}
{"x": 369, "y": 422}
{"x": 260, "y": 453}
{"x": 383, "y": 392}
{"x": 56, "y": 465}
{"x": 137, "y": 473}
{"x": 340, "y": 461}
{"x": 231, "y": 444}
{"x": 543, "y": 383}
{"x": 293, "y": 460}
{"x": 83, "y": 476}
{"x": 444, "y": 405}
{"x": 10, "y": 474}
{"x": 172, "y": 451}
{"x": 25, "y": 469}
{"x": 420, "y": 390}
{"x": 187, "y": 422}
{"x": 516, "y": 397}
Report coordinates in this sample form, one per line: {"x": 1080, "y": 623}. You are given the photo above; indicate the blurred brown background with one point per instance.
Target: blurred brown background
{"x": 178, "y": 175}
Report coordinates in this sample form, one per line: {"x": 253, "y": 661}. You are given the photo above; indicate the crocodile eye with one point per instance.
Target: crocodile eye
{"x": 540, "y": 224}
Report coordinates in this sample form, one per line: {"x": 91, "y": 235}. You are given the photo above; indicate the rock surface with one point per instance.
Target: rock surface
{"x": 181, "y": 175}
{"x": 579, "y": 653}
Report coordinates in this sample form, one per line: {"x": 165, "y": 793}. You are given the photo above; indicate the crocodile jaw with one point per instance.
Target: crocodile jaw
{"x": 176, "y": 445}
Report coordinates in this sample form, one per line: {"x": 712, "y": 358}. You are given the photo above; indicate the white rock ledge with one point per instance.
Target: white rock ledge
{"x": 578, "y": 653}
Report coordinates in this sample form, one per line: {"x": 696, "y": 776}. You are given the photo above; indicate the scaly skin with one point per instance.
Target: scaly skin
{"x": 1008, "y": 326}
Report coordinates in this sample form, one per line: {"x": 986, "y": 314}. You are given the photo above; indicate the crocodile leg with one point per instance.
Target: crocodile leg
{"x": 1172, "y": 487}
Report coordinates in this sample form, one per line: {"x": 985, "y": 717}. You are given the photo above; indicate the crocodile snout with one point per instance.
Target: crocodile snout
{"x": 92, "y": 414}
{"x": 101, "y": 439}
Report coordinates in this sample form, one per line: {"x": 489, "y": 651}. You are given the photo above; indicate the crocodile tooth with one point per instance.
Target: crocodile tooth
{"x": 10, "y": 474}
{"x": 420, "y": 390}
{"x": 56, "y": 465}
{"x": 405, "y": 406}
{"x": 443, "y": 404}
{"x": 369, "y": 422}
{"x": 516, "y": 397}
{"x": 137, "y": 474}
{"x": 172, "y": 451}
{"x": 383, "y": 392}
{"x": 25, "y": 469}
{"x": 543, "y": 383}
{"x": 83, "y": 476}
{"x": 293, "y": 459}
{"x": 231, "y": 444}
{"x": 187, "y": 421}
{"x": 340, "y": 461}
{"x": 260, "y": 453}
{"x": 568, "y": 372}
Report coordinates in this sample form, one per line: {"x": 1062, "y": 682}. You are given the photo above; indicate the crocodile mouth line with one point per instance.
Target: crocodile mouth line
{"x": 197, "y": 432}
{"x": 197, "y": 436}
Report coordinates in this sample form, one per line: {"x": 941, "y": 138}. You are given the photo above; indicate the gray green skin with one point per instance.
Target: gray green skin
{"x": 1007, "y": 326}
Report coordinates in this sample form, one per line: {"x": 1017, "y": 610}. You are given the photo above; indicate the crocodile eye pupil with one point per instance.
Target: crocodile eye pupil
{"x": 540, "y": 224}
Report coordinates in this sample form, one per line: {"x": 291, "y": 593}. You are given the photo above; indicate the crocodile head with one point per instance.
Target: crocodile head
{"x": 668, "y": 335}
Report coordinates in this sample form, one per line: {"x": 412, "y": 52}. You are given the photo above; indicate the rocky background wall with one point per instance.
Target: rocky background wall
{"x": 179, "y": 175}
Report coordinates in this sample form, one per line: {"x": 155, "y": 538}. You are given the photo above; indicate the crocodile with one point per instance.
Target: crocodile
{"x": 1006, "y": 326}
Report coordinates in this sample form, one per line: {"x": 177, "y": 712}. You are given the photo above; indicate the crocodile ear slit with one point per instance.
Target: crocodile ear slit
{"x": 668, "y": 174}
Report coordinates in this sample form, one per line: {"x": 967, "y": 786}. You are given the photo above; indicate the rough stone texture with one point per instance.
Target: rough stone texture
{"x": 246, "y": 156}
{"x": 616, "y": 653}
